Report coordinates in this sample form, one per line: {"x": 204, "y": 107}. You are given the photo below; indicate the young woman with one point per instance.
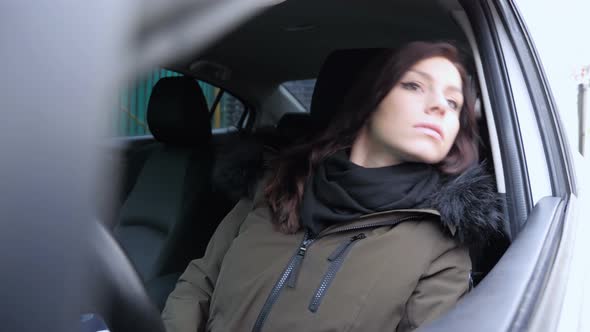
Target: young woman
{"x": 365, "y": 228}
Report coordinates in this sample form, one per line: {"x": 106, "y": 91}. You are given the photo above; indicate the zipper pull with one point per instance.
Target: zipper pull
{"x": 292, "y": 280}
{"x": 342, "y": 248}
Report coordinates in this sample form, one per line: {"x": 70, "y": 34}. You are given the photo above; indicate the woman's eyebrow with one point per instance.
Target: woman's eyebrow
{"x": 455, "y": 89}
{"x": 421, "y": 73}
{"x": 427, "y": 76}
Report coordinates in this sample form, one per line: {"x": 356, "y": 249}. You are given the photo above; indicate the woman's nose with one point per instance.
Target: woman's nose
{"x": 437, "y": 103}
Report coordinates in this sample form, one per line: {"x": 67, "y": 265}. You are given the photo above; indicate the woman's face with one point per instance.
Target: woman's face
{"x": 417, "y": 121}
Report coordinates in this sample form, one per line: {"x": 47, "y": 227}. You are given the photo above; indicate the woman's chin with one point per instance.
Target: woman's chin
{"x": 425, "y": 155}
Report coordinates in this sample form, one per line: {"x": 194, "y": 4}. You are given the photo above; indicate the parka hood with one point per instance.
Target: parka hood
{"x": 469, "y": 206}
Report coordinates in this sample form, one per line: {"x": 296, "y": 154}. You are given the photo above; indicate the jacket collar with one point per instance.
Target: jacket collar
{"x": 467, "y": 206}
{"x": 379, "y": 218}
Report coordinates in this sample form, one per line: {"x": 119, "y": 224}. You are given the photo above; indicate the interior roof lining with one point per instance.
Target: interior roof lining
{"x": 372, "y": 26}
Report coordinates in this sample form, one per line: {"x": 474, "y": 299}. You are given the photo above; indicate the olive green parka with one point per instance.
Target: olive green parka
{"x": 387, "y": 271}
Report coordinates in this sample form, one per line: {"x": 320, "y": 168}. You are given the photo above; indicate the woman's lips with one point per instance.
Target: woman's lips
{"x": 431, "y": 130}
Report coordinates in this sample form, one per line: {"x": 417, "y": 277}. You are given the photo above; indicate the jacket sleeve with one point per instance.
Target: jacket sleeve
{"x": 187, "y": 307}
{"x": 446, "y": 280}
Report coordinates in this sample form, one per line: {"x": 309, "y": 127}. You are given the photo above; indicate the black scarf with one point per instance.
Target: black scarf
{"x": 340, "y": 191}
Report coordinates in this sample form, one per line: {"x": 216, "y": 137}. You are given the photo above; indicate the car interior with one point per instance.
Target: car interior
{"x": 177, "y": 182}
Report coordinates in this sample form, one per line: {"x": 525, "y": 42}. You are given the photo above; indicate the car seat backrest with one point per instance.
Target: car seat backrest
{"x": 339, "y": 73}
{"x": 158, "y": 220}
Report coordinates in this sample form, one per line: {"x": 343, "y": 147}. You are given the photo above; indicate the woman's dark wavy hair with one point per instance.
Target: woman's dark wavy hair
{"x": 284, "y": 190}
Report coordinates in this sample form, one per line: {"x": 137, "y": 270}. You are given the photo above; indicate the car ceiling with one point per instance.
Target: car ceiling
{"x": 263, "y": 49}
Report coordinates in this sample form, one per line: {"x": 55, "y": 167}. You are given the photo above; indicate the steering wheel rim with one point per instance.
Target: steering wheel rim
{"x": 118, "y": 294}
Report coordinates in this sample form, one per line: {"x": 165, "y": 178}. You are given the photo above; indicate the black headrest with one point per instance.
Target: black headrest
{"x": 339, "y": 73}
{"x": 177, "y": 112}
{"x": 293, "y": 124}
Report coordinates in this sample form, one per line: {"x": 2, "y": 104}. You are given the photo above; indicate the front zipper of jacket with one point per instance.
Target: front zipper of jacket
{"x": 336, "y": 259}
{"x": 289, "y": 275}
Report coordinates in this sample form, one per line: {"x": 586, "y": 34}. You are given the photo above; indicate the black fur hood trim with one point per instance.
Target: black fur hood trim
{"x": 469, "y": 206}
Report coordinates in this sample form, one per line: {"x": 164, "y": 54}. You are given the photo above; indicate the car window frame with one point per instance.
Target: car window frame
{"x": 246, "y": 119}
{"x": 515, "y": 286}
{"x": 552, "y": 131}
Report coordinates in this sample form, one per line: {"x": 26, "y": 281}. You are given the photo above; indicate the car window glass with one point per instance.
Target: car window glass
{"x": 565, "y": 71}
{"x": 302, "y": 90}
{"x": 229, "y": 109}
{"x": 130, "y": 115}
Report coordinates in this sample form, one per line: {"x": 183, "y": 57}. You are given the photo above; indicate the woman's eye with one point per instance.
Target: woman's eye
{"x": 411, "y": 86}
{"x": 453, "y": 104}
